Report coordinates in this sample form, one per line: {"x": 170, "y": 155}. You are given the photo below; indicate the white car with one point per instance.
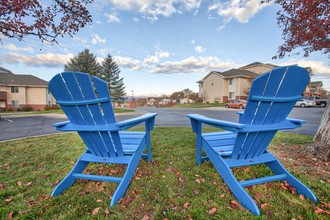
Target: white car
{"x": 305, "y": 103}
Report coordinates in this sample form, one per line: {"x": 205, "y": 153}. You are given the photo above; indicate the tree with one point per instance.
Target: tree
{"x": 320, "y": 146}
{"x": 84, "y": 62}
{"x": 305, "y": 25}
{"x": 44, "y": 19}
{"x": 110, "y": 73}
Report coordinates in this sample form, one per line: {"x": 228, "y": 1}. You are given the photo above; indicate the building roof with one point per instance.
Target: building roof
{"x": 232, "y": 73}
{"x": 10, "y": 79}
{"x": 317, "y": 83}
{"x": 258, "y": 64}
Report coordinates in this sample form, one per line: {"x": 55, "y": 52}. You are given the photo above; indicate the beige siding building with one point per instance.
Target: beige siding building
{"x": 225, "y": 86}
{"x": 17, "y": 91}
{"x": 234, "y": 83}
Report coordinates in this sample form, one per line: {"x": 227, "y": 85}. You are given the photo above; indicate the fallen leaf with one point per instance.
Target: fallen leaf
{"x": 10, "y": 215}
{"x": 222, "y": 196}
{"x": 263, "y": 206}
{"x": 300, "y": 217}
{"x": 96, "y": 210}
{"x": 212, "y": 211}
{"x": 19, "y": 183}
{"x": 318, "y": 210}
{"x": 137, "y": 178}
{"x": 29, "y": 184}
{"x": 185, "y": 206}
{"x": 99, "y": 200}
{"x": 197, "y": 180}
{"x": 106, "y": 211}
{"x": 146, "y": 217}
{"x": 9, "y": 199}
{"x": 56, "y": 182}
{"x": 301, "y": 197}
{"x": 235, "y": 203}
{"x": 189, "y": 217}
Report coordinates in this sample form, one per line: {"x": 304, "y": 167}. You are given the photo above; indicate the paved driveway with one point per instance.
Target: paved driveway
{"x": 34, "y": 125}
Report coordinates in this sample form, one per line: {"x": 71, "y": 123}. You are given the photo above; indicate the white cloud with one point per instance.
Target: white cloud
{"x": 192, "y": 41}
{"x": 126, "y": 62}
{"x": 241, "y": 10}
{"x": 112, "y": 18}
{"x": 152, "y": 9}
{"x": 193, "y": 64}
{"x": 199, "y": 49}
{"x": 47, "y": 60}
{"x": 12, "y": 47}
{"x": 319, "y": 68}
{"x": 97, "y": 39}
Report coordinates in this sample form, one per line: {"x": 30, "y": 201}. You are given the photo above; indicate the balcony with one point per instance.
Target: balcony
{"x": 3, "y": 96}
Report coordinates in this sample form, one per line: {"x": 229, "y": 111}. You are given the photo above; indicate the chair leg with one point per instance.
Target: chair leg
{"x": 148, "y": 146}
{"x": 278, "y": 168}
{"x": 68, "y": 181}
{"x": 239, "y": 192}
{"x": 131, "y": 167}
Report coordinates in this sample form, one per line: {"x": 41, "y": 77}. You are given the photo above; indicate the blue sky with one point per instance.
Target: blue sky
{"x": 166, "y": 46}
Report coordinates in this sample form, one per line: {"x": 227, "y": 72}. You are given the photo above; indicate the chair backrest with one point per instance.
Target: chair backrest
{"x": 86, "y": 101}
{"x": 271, "y": 99}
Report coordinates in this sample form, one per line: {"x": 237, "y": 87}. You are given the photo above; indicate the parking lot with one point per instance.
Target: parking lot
{"x": 20, "y": 126}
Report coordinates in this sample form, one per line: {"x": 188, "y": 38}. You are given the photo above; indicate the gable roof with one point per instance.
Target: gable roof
{"x": 317, "y": 83}
{"x": 10, "y": 79}
{"x": 232, "y": 73}
{"x": 258, "y": 64}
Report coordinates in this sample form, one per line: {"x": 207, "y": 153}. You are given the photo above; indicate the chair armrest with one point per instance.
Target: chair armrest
{"x": 123, "y": 125}
{"x": 296, "y": 121}
{"x": 230, "y": 126}
{"x": 148, "y": 117}
{"x": 240, "y": 115}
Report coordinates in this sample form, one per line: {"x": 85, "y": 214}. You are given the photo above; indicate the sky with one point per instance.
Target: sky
{"x": 164, "y": 46}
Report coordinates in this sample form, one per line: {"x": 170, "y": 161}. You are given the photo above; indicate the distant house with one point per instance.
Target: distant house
{"x": 234, "y": 83}
{"x": 315, "y": 88}
{"x": 17, "y": 91}
{"x": 165, "y": 102}
{"x": 186, "y": 100}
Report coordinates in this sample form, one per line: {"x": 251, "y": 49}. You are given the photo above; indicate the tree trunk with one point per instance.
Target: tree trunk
{"x": 320, "y": 146}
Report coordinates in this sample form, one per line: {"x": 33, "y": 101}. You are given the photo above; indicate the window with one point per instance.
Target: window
{"x": 15, "y": 103}
{"x": 14, "y": 89}
{"x": 231, "y": 81}
{"x": 232, "y": 95}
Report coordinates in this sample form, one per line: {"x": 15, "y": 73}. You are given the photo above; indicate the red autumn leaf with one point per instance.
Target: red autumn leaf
{"x": 212, "y": 210}
{"x": 222, "y": 196}
{"x": 96, "y": 211}
{"x": 56, "y": 182}
{"x": 19, "y": 183}
{"x": 235, "y": 203}
{"x": 198, "y": 181}
{"x": 263, "y": 206}
{"x": 10, "y": 215}
{"x": 106, "y": 211}
{"x": 185, "y": 206}
{"x": 146, "y": 217}
{"x": 1, "y": 186}
{"x": 318, "y": 210}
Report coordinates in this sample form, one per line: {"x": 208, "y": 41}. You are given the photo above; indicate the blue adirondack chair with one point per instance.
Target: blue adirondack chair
{"x": 272, "y": 97}
{"x": 87, "y": 104}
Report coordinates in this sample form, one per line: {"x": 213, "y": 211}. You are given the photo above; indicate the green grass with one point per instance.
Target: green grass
{"x": 171, "y": 187}
{"x": 199, "y": 105}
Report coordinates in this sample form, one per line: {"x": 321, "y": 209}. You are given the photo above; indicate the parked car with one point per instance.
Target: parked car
{"x": 236, "y": 104}
{"x": 304, "y": 103}
{"x": 318, "y": 101}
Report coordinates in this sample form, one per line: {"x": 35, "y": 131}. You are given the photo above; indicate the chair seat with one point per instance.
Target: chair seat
{"x": 222, "y": 143}
{"x": 131, "y": 140}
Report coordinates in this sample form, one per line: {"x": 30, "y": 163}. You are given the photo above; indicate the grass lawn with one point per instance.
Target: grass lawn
{"x": 199, "y": 105}
{"x": 171, "y": 187}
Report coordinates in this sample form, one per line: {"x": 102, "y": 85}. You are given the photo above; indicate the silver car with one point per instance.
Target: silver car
{"x": 305, "y": 103}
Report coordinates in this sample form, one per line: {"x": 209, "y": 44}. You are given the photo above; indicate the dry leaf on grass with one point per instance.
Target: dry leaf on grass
{"x": 212, "y": 210}
{"x": 96, "y": 211}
